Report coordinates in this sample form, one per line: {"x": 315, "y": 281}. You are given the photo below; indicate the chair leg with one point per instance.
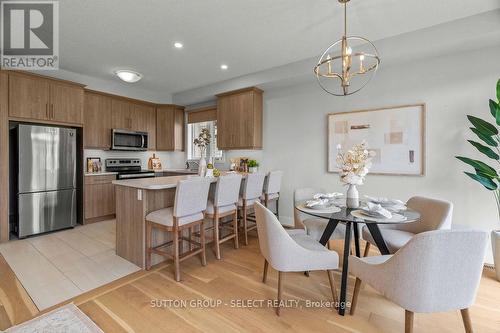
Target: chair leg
{"x": 367, "y": 249}
{"x": 280, "y": 292}
{"x": 277, "y": 208}
{"x": 264, "y": 275}
{"x": 235, "y": 226}
{"x": 202, "y": 242}
{"x": 332, "y": 286}
{"x": 408, "y": 321}
{"x": 355, "y": 295}
{"x": 245, "y": 226}
{"x": 190, "y": 237}
{"x": 149, "y": 230}
{"x": 177, "y": 269}
{"x": 466, "y": 320}
{"x": 216, "y": 236}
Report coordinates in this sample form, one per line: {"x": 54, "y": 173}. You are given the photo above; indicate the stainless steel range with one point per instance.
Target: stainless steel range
{"x": 127, "y": 168}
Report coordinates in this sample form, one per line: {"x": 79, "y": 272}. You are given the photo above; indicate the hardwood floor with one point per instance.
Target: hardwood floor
{"x": 125, "y": 305}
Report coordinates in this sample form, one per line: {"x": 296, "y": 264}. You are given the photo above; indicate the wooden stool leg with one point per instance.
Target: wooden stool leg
{"x": 202, "y": 242}
{"x": 177, "y": 269}
{"x": 355, "y": 295}
{"x": 190, "y": 237}
{"x": 332, "y": 285}
{"x": 280, "y": 292}
{"x": 149, "y": 231}
{"x": 235, "y": 226}
{"x": 245, "y": 226}
{"x": 264, "y": 275}
{"x": 466, "y": 319}
{"x": 367, "y": 249}
{"x": 216, "y": 235}
{"x": 408, "y": 321}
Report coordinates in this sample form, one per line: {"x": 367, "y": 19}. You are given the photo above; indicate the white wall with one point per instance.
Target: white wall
{"x": 295, "y": 132}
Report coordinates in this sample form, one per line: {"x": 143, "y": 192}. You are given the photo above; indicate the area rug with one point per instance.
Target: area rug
{"x": 66, "y": 319}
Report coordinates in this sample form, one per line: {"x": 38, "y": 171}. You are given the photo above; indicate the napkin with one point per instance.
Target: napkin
{"x": 378, "y": 209}
{"x": 327, "y": 195}
{"x": 316, "y": 202}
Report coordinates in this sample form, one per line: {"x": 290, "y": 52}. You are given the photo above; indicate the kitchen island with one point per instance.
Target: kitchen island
{"x": 135, "y": 198}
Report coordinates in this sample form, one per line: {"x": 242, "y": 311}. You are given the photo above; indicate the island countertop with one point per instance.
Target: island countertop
{"x": 158, "y": 183}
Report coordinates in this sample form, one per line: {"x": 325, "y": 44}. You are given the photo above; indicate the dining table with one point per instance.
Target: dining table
{"x": 352, "y": 219}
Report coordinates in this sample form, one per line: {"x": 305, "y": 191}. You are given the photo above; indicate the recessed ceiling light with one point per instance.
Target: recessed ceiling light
{"x": 128, "y": 76}
{"x": 178, "y": 45}
{"x": 223, "y": 67}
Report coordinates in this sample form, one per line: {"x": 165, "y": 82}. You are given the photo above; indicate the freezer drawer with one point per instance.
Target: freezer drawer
{"x": 46, "y": 211}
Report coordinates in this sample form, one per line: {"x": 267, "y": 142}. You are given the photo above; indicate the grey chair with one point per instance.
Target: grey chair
{"x": 250, "y": 193}
{"x": 292, "y": 251}
{"x": 222, "y": 202}
{"x": 272, "y": 188}
{"x": 435, "y": 271}
{"x": 434, "y": 215}
{"x": 187, "y": 213}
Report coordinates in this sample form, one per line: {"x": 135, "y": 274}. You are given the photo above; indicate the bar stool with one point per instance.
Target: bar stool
{"x": 223, "y": 202}
{"x": 188, "y": 212}
{"x": 272, "y": 186}
{"x": 251, "y": 191}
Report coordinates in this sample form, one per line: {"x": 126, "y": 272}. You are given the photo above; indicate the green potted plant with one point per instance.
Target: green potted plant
{"x": 488, "y": 176}
{"x": 253, "y": 166}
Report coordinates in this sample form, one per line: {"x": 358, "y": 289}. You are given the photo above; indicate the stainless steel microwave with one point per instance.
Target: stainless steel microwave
{"x": 129, "y": 140}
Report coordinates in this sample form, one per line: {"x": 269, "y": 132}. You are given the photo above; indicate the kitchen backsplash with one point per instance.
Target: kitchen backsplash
{"x": 169, "y": 160}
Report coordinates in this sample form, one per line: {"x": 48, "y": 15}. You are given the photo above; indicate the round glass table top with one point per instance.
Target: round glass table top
{"x": 344, "y": 214}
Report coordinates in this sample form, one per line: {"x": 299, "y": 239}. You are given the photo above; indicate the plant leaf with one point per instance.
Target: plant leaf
{"x": 485, "y": 150}
{"x": 498, "y": 90}
{"x": 495, "y": 110}
{"x": 479, "y": 166}
{"x": 487, "y": 139}
{"x": 488, "y": 183}
{"x": 483, "y": 126}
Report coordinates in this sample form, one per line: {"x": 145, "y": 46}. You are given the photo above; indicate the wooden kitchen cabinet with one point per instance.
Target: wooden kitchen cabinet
{"x": 239, "y": 119}
{"x": 97, "y": 121}
{"x": 33, "y": 97}
{"x": 170, "y": 128}
{"x": 99, "y": 198}
{"x": 121, "y": 114}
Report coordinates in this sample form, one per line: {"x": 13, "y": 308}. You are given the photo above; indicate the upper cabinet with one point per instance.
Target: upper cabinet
{"x": 134, "y": 116}
{"x": 170, "y": 128}
{"x": 239, "y": 119}
{"x": 97, "y": 121}
{"x": 33, "y": 97}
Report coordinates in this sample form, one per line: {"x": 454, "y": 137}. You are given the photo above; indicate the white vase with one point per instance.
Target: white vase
{"x": 352, "y": 197}
{"x": 202, "y": 167}
{"x": 495, "y": 245}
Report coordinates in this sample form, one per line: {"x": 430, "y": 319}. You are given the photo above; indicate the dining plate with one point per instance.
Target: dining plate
{"x": 328, "y": 210}
{"x": 394, "y": 219}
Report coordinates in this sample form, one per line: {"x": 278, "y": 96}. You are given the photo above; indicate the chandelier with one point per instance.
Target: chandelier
{"x": 340, "y": 70}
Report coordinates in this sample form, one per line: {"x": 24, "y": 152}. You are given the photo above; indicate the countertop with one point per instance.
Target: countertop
{"x": 102, "y": 173}
{"x": 187, "y": 171}
{"x": 157, "y": 183}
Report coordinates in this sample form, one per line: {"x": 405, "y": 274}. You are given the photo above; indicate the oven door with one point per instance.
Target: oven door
{"x": 129, "y": 140}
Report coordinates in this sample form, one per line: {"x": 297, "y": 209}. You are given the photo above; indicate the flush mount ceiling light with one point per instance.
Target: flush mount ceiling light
{"x": 223, "y": 67}
{"x": 340, "y": 70}
{"x": 178, "y": 45}
{"x": 128, "y": 76}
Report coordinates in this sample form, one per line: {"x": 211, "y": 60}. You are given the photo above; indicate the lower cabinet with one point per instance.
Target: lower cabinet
{"x": 99, "y": 198}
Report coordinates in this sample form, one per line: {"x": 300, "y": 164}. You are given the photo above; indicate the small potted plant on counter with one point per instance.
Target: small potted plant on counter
{"x": 485, "y": 174}
{"x": 253, "y": 166}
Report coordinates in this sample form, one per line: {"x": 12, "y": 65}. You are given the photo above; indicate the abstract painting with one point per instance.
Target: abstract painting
{"x": 395, "y": 134}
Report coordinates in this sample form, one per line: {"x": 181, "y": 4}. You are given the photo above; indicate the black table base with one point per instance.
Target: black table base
{"x": 377, "y": 237}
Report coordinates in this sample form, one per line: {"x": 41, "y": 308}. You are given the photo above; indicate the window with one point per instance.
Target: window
{"x": 194, "y": 130}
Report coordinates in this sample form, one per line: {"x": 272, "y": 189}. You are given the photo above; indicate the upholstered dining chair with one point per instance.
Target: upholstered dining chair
{"x": 314, "y": 226}
{"x": 250, "y": 193}
{"x": 292, "y": 251}
{"x": 223, "y": 202}
{"x": 272, "y": 187}
{"x": 435, "y": 271}
{"x": 187, "y": 213}
{"x": 434, "y": 215}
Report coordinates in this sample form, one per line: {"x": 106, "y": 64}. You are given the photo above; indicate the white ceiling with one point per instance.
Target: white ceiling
{"x": 97, "y": 37}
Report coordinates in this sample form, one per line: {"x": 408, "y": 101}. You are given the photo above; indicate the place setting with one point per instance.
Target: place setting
{"x": 381, "y": 210}
{"x": 326, "y": 203}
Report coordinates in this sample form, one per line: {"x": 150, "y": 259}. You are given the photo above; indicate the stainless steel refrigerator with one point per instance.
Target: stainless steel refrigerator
{"x": 45, "y": 160}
